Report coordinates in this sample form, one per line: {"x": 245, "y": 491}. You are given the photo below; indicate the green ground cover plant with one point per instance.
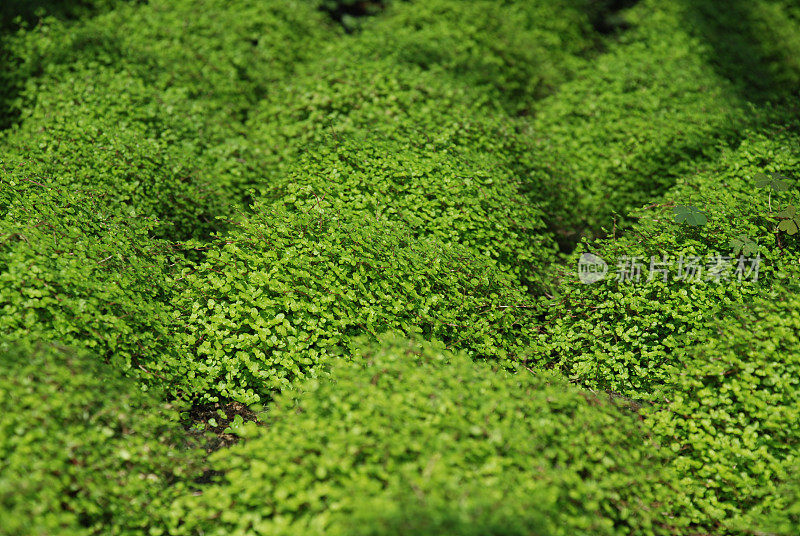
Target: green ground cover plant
{"x": 516, "y": 52}
{"x": 409, "y": 437}
{"x": 129, "y": 143}
{"x": 184, "y": 74}
{"x": 226, "y": 54}
{"x": 440, "y": 188}
{"x": 349, "y": 92}
{"x": 83, "y": 451}
{"x": 284, "y": 292}
{"x": 620, "y": 335}
{"x": 731, "y": 420}
{"x": 76, "y": 271}
{"x": 342, "y": 237}
{"x": 783, "y": 521}
{"x": 657, "y": 105}
{"x": 410, "y": 79}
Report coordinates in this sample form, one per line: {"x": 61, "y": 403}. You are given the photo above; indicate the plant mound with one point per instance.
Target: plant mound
{"x": 441, "y": 188}
{"x": 410, "y": 438}
{"x": 284, "y": 291}
{"x": 624, "y": 333}
{"x": 83, "y": 452}
{"x": 78, "y": 271}
{"x": 731, "y": 418}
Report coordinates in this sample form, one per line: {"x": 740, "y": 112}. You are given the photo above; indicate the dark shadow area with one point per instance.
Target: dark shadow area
{"x": 209, "y": 423}
{"x": 25, "y": 13}
{"x": 749, "y": 44}
{"x": 10, "y": 85}
{"x": 348, "y": 12}
{"x": 606, "y": 15}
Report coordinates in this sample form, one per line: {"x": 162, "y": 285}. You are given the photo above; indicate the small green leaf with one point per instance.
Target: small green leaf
{"x": 689, "y": 215}
{"x": 762, "y": 180}
{"x": 788, "y": 226}
{"x": 776, "y": 181}
{"x": 743, "y": 244}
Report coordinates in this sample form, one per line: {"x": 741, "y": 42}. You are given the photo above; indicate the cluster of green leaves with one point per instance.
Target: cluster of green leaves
{"x": 84, "y": 452}
{"x": 773, "y": 182}
{"x": 76, "y": 271}
{"x": 110, "y": 132}
{"x": 284, "y": 291}
{"x": 16, "y": 16}
{"x": 784, "y": 520}
{"x": 403, "y": 175}
{"x": 408, "y": 438}
{"x": 181, "y": 76}
{"x": 349, "y": 92}
{"x": 514, "y": 52}
{"x": 225, "y": 54}
{"x": 349, "y": 103}
{"x": 118, "y": 147}
{"x": 382, "y": 92}
{"x": 621, "y": 336}
{"x": 730, "y": 417}
{"x": 429, "y": 73}
{"x": 652, "y": 108}
{"x": 438, "y": 188}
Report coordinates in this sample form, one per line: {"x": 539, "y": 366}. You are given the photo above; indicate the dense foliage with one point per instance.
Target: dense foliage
{"x": 621, "y": 334}
{"x": 83, "y": 451}
{"x": 516, "y": 52}
{"x": 731, "y": 415}
{"x": 651, "y": 109}
{"x": 442, "y": 188}
{"x": 285, "y": 291}
{"x": 78, "y": 271}
{"x": 411, "y": 438}
{"x": 229, "y": 203}
{"x": 142, "y": 157}
{"x": 784, "y": 520}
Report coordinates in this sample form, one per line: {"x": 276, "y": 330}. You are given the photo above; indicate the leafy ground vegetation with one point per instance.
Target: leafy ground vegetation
{"x": 309, "y": 267}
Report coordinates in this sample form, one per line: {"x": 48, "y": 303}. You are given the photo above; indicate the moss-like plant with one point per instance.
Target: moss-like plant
{"x": 84, "y": 452}
{"x": 623, "y": 335}
{"x": 76, "y": 270}
{"x": 411, "y": 438}
{"x": 284, "y": 292}
{"x": 730, "y": 416}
